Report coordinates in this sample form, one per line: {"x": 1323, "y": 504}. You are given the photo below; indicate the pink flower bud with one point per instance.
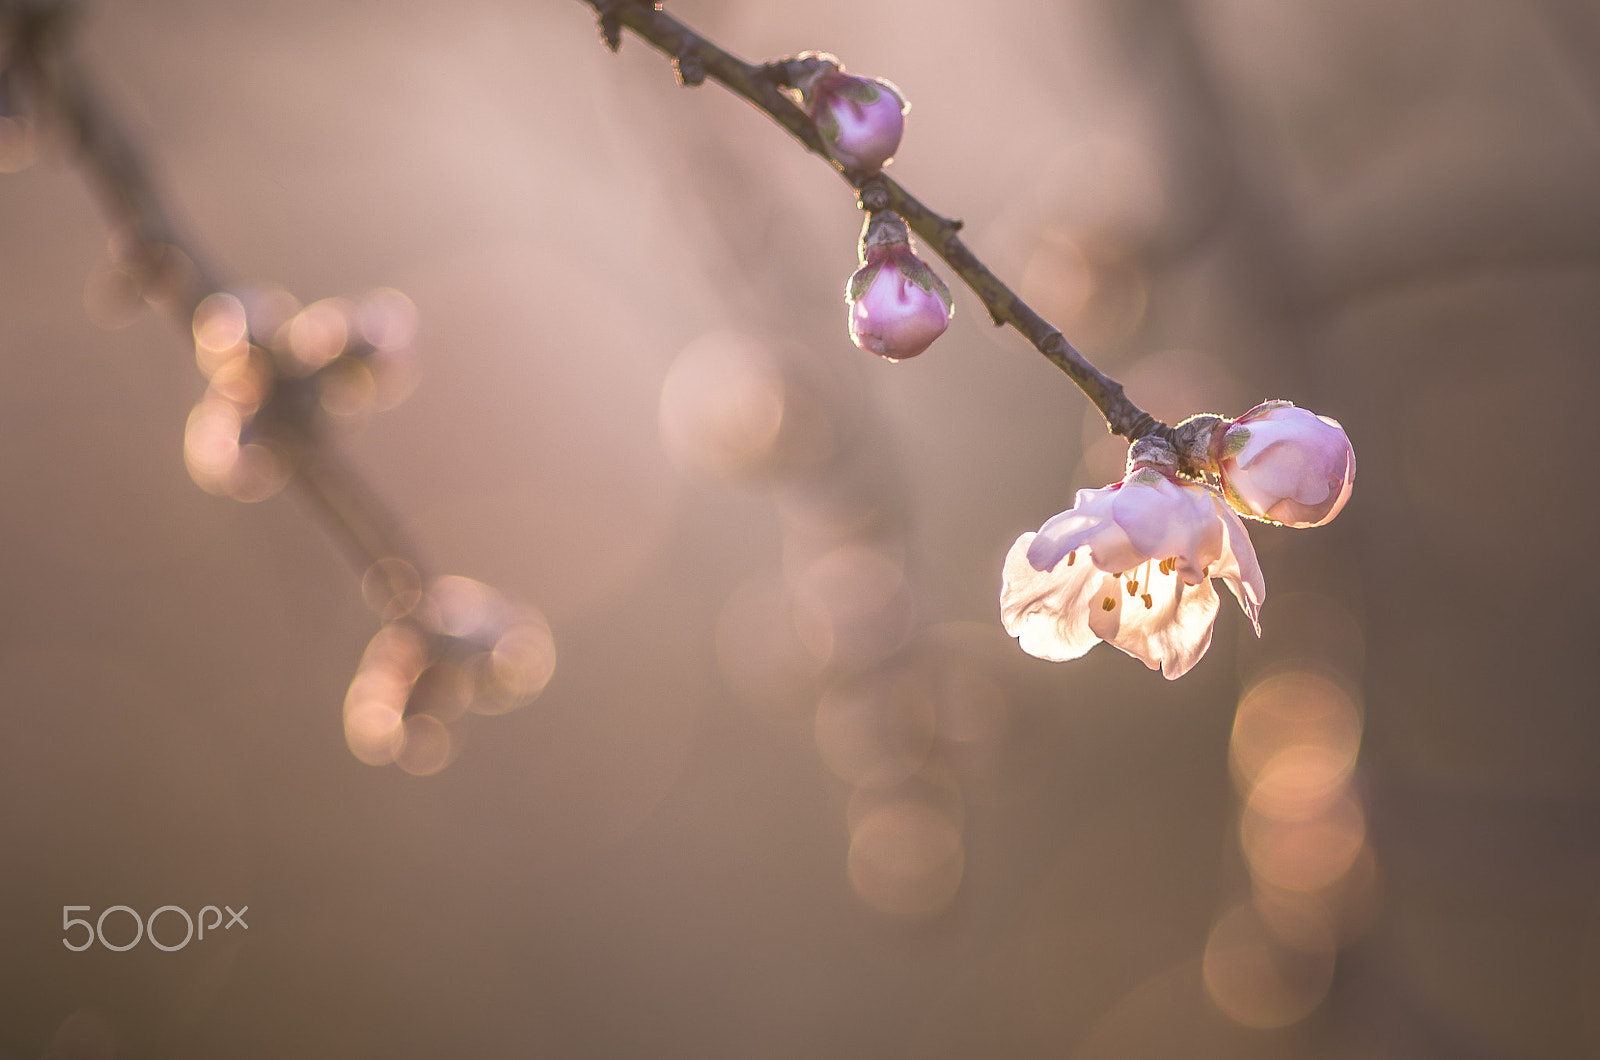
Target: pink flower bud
{"x": 860, "y": 119}
{"x": 1286, "y": 465}
{"x": 898, "y": 306}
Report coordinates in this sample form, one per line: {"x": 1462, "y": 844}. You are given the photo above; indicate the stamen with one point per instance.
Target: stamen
{"x": 1143, "y": 578}
{"x": 1072, "y": 557}
{"x": 1148, "y": 603}
{"x": 1168, "y": 564}
{"x": 1108, "y": 604}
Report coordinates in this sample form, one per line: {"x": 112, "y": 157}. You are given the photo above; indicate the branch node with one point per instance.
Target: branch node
{"x": 775, "y": 73}
{"x": 691, "y": 71}
{"x": 1143, "y": 426}
{"x": 956, "y": 225}
{"x": 874, "y": 196}
{"x": 610, "y": 22}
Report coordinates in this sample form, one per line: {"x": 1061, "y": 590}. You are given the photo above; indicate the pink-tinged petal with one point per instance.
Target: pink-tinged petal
{"x": 1145, "y": 507}
{"x": 1282, "y": 468}
{"x": 1347, "y": 482}
{"x": 1268, "y": 481}
{"x": 1171, "y": 635}
{"x": 1089, "y": 523}
{"x": 1111, "y": 551}
{"x": 1238, "y": 567}
{"x": 1166, "y": 518}
{"x": 1047, "y": 611}
{"x": 1068, "y": 531}
{"x": 1320, "y": 436}
{"x": 1263, "y": 409}
{"x": 1287, "y": 464}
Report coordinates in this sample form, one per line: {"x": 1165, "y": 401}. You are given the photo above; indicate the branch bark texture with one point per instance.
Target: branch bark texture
{"x": 697, "y": 58}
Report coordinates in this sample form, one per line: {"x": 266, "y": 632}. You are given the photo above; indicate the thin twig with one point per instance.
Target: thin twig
{"x": 697, "y": 58}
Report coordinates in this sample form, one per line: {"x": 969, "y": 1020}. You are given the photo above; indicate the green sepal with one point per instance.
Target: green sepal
{"x": 918, "y": 273}
{"x": 861, "y": 282}
{"x": 1146, "y": 476}
{"x": 1235, "y": 439}
{"x": 858, "y": 90}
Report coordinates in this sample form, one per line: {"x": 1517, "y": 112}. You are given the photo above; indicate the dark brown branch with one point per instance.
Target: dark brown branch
{"x": 761, "y": 86}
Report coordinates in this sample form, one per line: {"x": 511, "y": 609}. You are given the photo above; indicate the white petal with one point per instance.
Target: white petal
{"x": 1238, "y": 567}
{"x": 1047, "y": 611}
{"x": 1171, "y": 636}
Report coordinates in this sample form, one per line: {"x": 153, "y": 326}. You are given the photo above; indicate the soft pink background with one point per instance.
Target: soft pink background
{"x": 1385, "y": 212}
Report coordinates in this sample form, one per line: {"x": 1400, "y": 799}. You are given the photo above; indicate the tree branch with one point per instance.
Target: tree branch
{"x": 367, "y": 529}
{"x": 697, "y": 58}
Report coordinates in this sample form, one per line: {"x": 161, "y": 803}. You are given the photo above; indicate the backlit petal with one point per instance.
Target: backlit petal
{"x": 1089, "y": 571}
{"x": 1047, "y": 611}
{"x": 1238, "y": 567}
{"x": 1170, "y": 636}
{"x": 1071, "y": 529}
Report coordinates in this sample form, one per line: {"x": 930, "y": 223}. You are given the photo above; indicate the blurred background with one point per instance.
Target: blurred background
{"x": 791, "y": 791}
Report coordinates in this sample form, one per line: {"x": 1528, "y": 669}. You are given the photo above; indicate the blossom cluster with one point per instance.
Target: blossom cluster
{"x": 1132, "y": 563}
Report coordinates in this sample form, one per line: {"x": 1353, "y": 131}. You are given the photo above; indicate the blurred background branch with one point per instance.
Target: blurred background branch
{"x": 824, "y": 806}
{"x": 282, "y": 377}
{"x": 169, "y": 270}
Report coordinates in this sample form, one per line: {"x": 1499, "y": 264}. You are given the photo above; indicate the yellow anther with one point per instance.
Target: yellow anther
{"x": 1072, "y": 557}
{"x": 1148, "y": 603}
{"x": 1107, "y": 604}
{"x": 1133, "y": 587}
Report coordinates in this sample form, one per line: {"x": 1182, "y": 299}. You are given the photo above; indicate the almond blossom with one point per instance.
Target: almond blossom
{"x": 1285, "y": 465}
{"x": 1131, "y": 564}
